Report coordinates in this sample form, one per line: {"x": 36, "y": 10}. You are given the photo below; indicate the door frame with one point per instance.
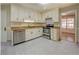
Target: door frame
{"x": 75, "y": 24}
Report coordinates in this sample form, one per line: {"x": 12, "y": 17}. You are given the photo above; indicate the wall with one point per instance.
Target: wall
{"x": 5, "y": 22}
{"x": 73, "y": 7}
{"x": 78, "y": 25}
{"x": 0, "y": 28}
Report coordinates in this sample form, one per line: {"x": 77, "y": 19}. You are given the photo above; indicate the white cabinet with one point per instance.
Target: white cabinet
{"x": 28, "y": 34}
{"x": 43, "y": 18}
{"x": 54, "y": 14}
{"x": 38, "y": 32}
{"x": 20, "y": 14}
{"x": 33, "y": 33}
{"x": 17, "y": 13}
{"x": 14, "y": 13}
{"x": 35, "y": 17}
{"x": 54, "y": 34}
{"x": 39, "y": 18}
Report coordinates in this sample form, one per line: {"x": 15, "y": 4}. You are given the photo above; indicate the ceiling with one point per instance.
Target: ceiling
{"x": 42, "y": 7}
{"x": 72, "y": 12}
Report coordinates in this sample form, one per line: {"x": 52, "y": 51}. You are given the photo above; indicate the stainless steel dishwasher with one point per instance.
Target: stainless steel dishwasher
{"x": 18, "y": 36}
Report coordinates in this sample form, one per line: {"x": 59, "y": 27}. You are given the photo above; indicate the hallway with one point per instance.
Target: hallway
{"x": 42, "y": 46}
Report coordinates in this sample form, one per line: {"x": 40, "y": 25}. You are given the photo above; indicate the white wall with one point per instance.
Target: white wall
{"x": 0, "y": 28}
{"x": 5, "y": 17}
{"x": 78, "y": 25}
{"x": 0, "y": 22}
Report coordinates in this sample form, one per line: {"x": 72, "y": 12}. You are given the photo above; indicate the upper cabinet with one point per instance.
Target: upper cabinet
{"x": 14, "y": 13}
{"x": 22, "y": 14}
{"x": 54, "y": 14}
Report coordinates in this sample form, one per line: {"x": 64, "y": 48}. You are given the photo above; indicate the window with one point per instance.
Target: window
{"x": 63, "y": 23}
{"x": 70, "y": 23}
{"x": 67, "y": 22}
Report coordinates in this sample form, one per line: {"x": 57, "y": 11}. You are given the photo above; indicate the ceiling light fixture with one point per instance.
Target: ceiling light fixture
{"x": 43, "y": 3}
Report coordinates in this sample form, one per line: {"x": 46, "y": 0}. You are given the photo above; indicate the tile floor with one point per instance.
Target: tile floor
{"x": 42, "y": 46}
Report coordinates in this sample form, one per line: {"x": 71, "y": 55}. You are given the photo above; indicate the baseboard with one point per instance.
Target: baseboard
{"x": 26, "y": 41}
{"x": 18, "y": 43}
{"x": 33, "y": 38}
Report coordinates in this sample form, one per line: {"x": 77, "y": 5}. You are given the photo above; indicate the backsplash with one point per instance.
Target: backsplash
{"x": 17, "y": 24}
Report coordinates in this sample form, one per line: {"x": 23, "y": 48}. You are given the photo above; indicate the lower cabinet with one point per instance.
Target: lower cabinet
{"x": 54, "y": 34}
{"x": 32, "y": 33}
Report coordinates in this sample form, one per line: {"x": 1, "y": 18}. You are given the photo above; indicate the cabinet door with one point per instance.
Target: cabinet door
{"x": 25, "y": 14}
{"x": 39, "y": 18}
{"x": 43, "y": 18}
{"x": 51, "y": 33}
{"x": 14, "y": 13}
{"x": 27, "y": 36}
{"x": 34, "y": 17}
{"x": 21, "y": 14}
{"x": 54, "y": 34}
{"x": 40, "y": 30}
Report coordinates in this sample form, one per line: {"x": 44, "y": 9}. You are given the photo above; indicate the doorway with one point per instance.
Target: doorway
{"x": 67, "y": 26}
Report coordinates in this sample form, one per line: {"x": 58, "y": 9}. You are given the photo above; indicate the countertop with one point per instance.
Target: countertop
{"x": 24, "y": 27}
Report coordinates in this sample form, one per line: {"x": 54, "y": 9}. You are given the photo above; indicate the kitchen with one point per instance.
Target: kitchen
{"x": 23, "y": 23}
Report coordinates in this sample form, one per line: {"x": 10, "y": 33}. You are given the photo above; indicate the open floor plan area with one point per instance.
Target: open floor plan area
{"x": 39, "y": 29}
